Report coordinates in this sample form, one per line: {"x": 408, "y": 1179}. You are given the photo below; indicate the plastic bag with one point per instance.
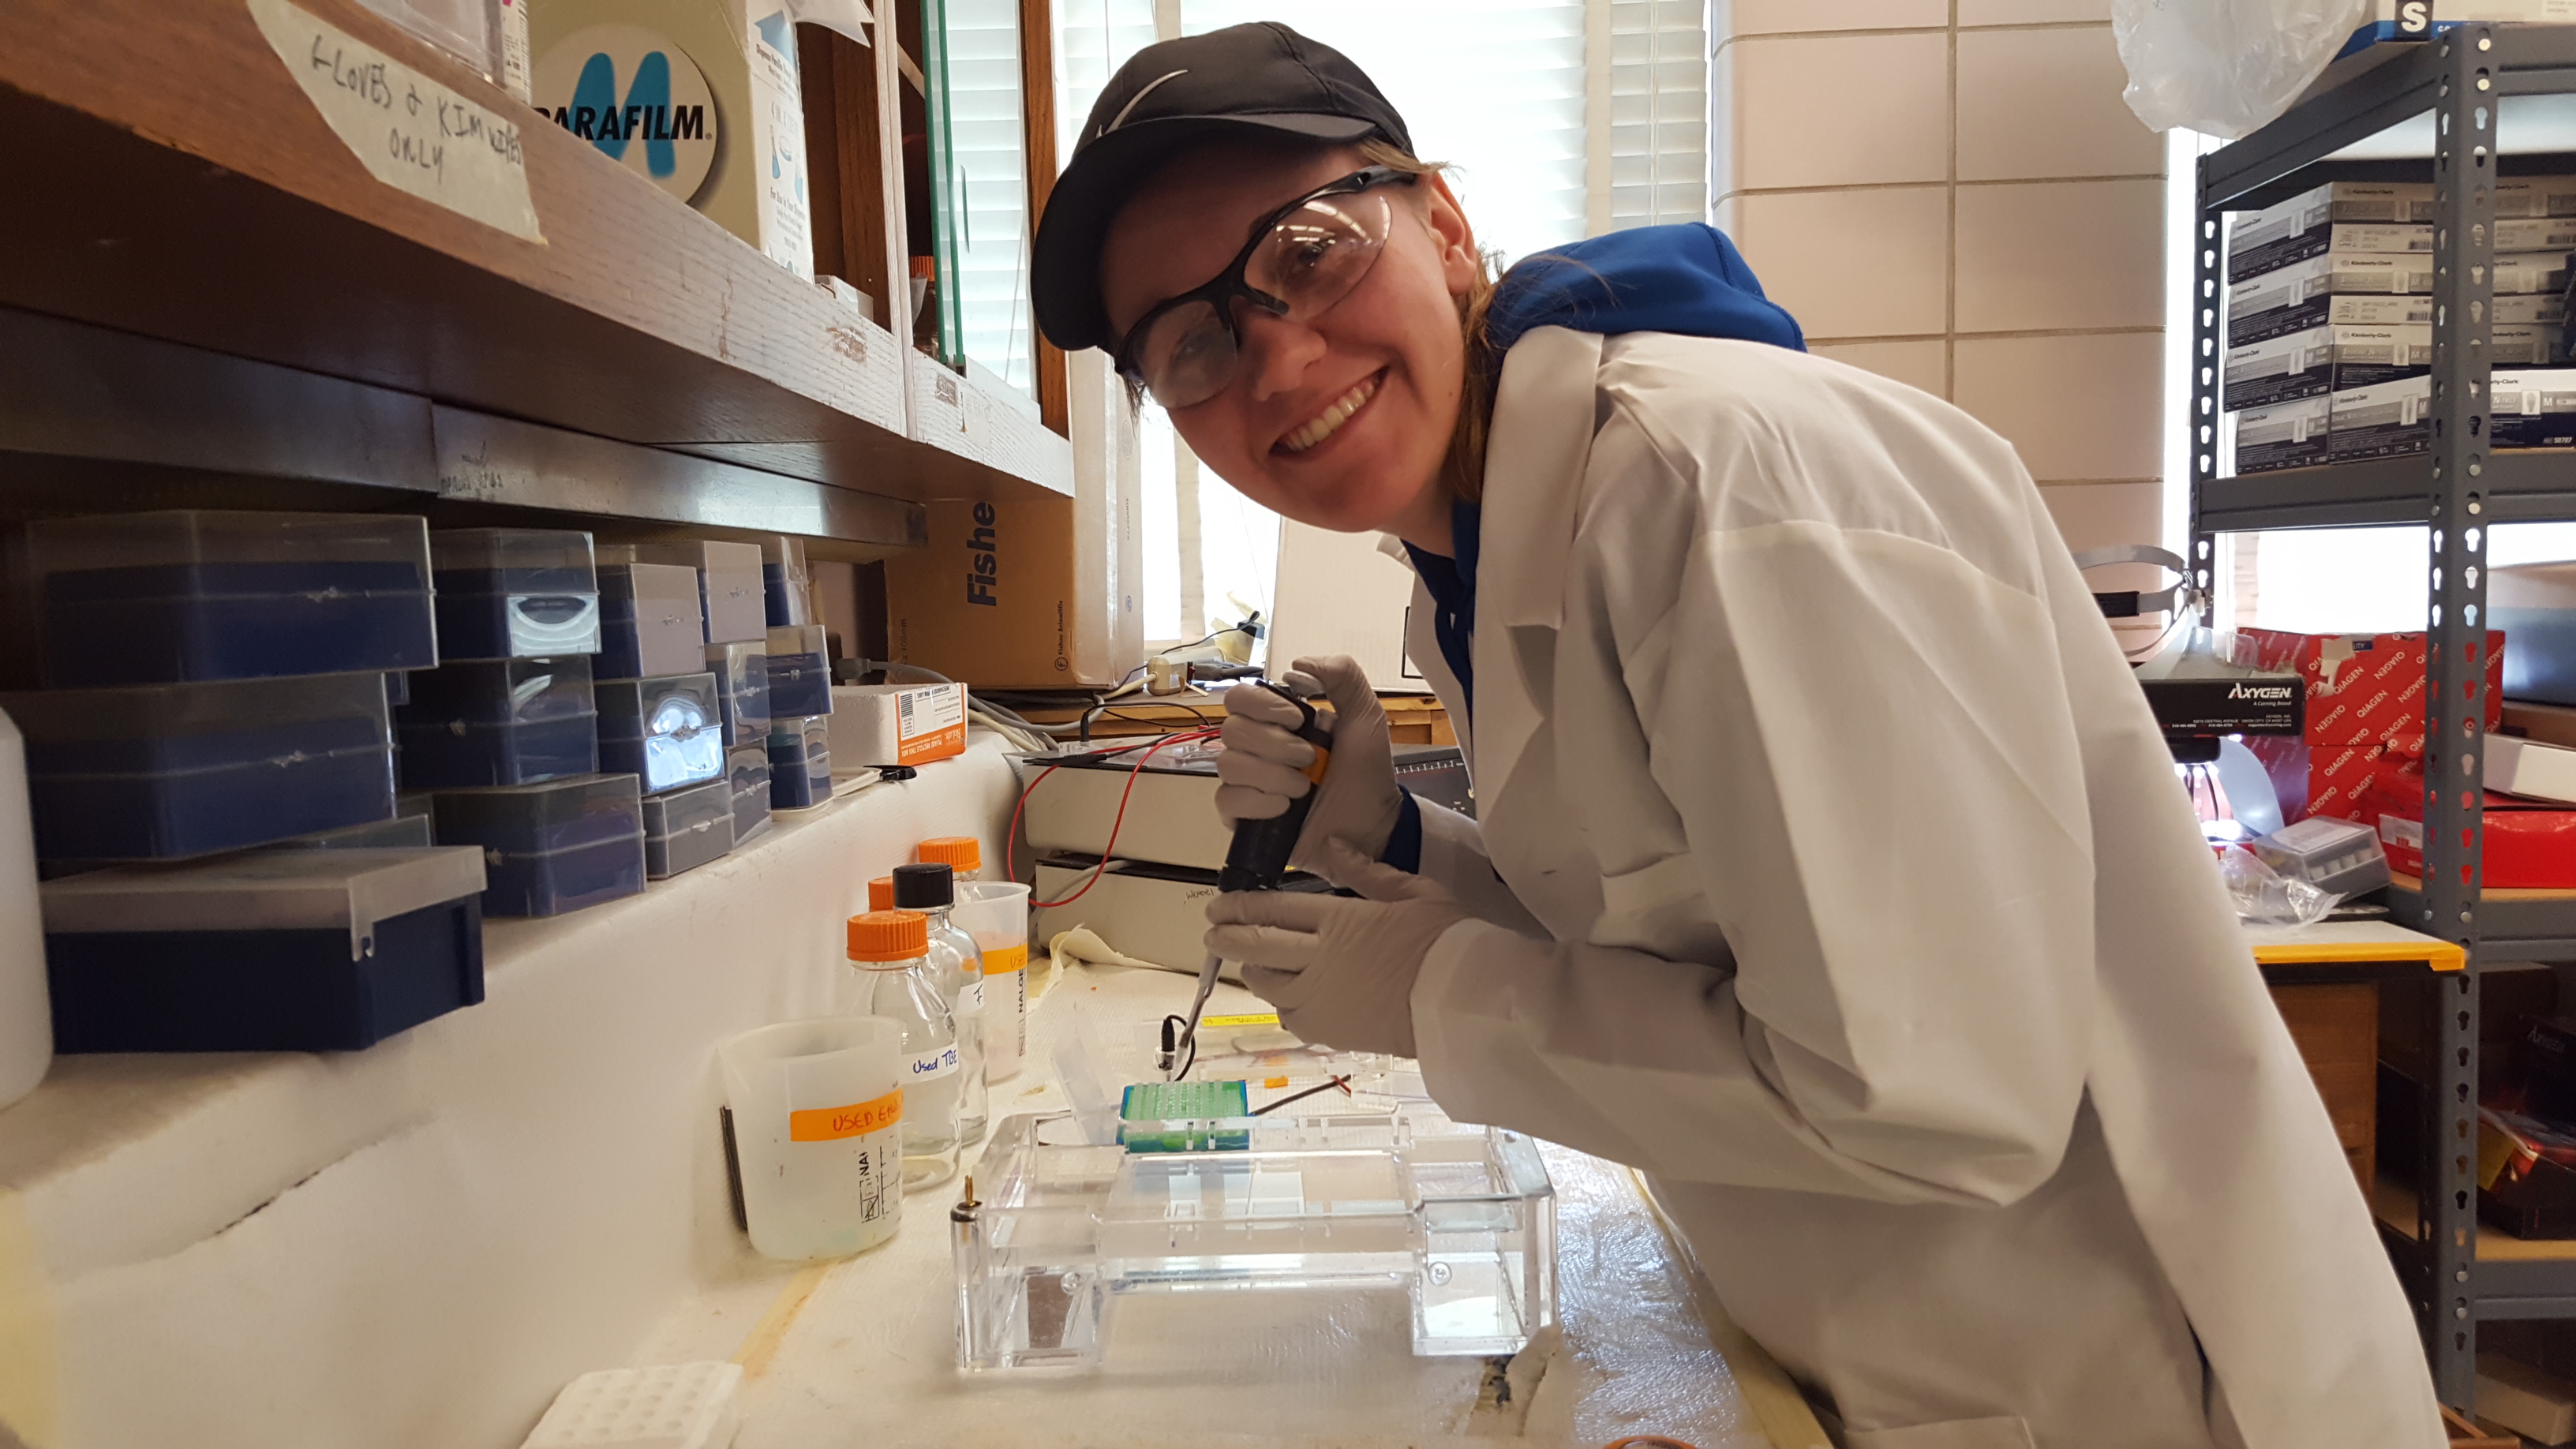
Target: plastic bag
{"x": 2225, "y": 67}
{"x": 2267, "y": 897}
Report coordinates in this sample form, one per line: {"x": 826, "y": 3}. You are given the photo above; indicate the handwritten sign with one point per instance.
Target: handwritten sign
{"x": 409, "y": 131}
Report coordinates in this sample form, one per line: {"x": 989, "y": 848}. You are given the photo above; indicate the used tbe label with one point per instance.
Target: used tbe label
{"x": 409, "y": 131}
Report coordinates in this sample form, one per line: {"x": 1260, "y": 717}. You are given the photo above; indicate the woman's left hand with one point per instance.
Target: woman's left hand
{"x": 1339, "y": 969}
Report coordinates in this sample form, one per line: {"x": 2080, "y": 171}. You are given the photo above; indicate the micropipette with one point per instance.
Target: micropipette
{"x": 1256, "y": 861}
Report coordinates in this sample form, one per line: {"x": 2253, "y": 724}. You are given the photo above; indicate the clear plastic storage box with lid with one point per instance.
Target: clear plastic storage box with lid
{"x": 686, "y": 828}
{"x": 665, "y": 732}
{"x": 192, "y": 596}
{"x": 747, "y": 772}
{"x": 515, "y": 593}
{"x": 786, "y": 580}
{"x": 650, "y": 622}
{"x": 271, "y": 950}
{"x": 552, "y": 847}
{"x": 1461, "y": 1220}
{"x": 742, "y": 691}
{"x": 800, "y": 671}
{"x": 150, "y": 772}
{"x": 731, "y": 594}
{"x": 499, "y": 722}
{"x": 800, "y": 764}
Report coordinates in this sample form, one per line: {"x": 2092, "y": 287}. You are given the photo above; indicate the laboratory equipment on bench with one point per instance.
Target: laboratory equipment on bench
{"x": 897, "y": 980}
{"x": 814, "y": 1117}
{"x": 667, "y": 1406}
{"x": 1256, "y": 861}
{"x": 1055, "y": 1231}
{"x": 932, "y": 891}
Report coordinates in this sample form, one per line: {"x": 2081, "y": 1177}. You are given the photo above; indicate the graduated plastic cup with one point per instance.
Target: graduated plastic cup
{"x": 996, "y": 914}
{"x": 817, "y": 1129}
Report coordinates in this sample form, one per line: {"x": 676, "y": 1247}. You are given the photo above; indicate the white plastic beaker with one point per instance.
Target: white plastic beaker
{"x": 996, "y": 914}
{"x": 817, "y": 1129}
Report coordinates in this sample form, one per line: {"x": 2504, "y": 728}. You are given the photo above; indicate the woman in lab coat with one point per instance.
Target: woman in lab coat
{"x": 1829, "y": 866}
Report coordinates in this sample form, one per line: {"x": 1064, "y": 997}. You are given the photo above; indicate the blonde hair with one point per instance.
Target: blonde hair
{"x": 1462, "y": 468}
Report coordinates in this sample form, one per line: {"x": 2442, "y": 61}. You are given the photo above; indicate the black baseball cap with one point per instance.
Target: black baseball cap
{"x": 1259, "y": 79}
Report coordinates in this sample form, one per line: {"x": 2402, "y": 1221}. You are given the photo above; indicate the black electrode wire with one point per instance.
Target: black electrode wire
{"x": 1343, "y": 1082}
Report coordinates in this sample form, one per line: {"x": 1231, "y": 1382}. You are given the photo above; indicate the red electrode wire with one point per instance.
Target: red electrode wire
{"x": 1112, "y": 844}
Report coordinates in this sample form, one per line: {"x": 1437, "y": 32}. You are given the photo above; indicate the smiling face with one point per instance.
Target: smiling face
{"x": 1340, "y": 420}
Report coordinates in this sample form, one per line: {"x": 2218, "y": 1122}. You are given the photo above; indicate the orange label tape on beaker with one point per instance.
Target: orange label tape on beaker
{"x": 831, "y": 1124}
{"x": 1001, "y": 960}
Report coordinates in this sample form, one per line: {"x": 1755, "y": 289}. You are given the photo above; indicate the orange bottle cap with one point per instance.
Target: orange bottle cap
{"x": 889, "y": 936}
{"x": 881, "y": 893}
{"x": 957, "y": 852}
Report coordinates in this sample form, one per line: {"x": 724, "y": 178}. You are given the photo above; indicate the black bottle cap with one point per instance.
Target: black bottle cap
{"x": 924, "y": 887}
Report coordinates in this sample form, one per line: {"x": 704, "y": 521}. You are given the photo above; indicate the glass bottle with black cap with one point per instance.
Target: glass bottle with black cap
{"x": 959, "y": 965}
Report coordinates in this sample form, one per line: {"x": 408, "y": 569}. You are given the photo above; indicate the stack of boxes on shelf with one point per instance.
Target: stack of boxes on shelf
{"x": 220, "y": 705}
{"x": 800, "y": 681}
{"x": 208, "y": 685}
{"x": 2330, "y": 312}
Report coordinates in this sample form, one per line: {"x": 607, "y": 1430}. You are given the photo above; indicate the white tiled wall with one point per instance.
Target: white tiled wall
{"x": 1952, "y": 193}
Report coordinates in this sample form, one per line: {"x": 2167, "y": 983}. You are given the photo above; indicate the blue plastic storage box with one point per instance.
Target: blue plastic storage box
{"x": 800, "y": 764}
{"x": 153, "y": 772}
{"x": 687, "y": 827}
{"x": 731, "y": 594}
{"x": 800, "y": 672}
{"x": 747, "y": 770}
{"x": 194, "y": 596}
{"x": 499, "y": 722}
{"x": 515, "y": 593}
{"x": 666, "y": 732}
{"x": 283, "y": 950}
{"x": 552, "y": 847}
{"x": 786, "y": 581}
{"x": 650, "y": 624}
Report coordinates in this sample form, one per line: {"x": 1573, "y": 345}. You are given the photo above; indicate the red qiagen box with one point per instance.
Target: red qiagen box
{"x": 2367, "y": 689}
{"x": 2329, "y": 780}
{"x": 2530, "y": 845}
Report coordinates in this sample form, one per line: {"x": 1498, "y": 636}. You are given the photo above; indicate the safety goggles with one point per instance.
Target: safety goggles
{"x": 1302, "y": 259}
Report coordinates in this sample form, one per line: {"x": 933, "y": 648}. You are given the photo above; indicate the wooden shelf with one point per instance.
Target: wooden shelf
{"x": 169, "y": 178}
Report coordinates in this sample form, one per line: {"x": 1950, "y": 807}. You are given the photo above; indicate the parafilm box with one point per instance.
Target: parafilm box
{"x": 2285, "y": 435}
{"x": 2533, "y": 408}
{"x": 2340, "y": 216}
{"x": 896, "y": 724}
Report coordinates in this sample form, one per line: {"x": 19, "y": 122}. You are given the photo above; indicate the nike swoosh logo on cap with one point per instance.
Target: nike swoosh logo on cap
{"x": 1121, "y": 118}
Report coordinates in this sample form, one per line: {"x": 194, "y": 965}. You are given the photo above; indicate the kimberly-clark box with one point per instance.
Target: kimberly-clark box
{"x": 2543, "y": 272}
{"x": 2532, "y": 408}
{"x": 2381, "y": 421}
{"x": 2322, "y": 360}
{"x": 2340, "y": 216}
{"x": 2535, "y": 234}
{"x": 2285, "y": 435}
{"x": 2538, "y": 195}
{"x": 2297, "y": 297}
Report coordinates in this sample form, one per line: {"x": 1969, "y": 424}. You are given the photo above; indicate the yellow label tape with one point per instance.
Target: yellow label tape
{"x": 1265, "y": 1018}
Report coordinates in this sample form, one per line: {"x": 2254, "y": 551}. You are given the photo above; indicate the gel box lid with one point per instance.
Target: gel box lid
{"x": 267, "y": 890}
{"x": 518, "y": 560}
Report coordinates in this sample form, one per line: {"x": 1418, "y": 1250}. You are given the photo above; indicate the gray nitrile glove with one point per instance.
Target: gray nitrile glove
{"x": 1263, "y": 765}
{"x": 1340, "y": 970}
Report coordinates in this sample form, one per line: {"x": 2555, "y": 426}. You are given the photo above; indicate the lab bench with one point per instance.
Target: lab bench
{"x": 1411, "y": 719}
{"x": 2326, "y": 981}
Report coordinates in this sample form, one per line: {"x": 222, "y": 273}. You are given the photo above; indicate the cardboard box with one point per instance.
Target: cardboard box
{"x": 2350, "y": 216}
{"x": 2391, "y": 419}
{"x": 1037, "y": 593}
{"x": 2529, "y": 845}
{"x": 2321, "y": 781}
{"x": 2530, "y": 1401}
{"x": 2530, "y": 769}
{"x": 2542, "y": 272}
{"x": 718, "y": 120}
{"x": 2285, "y": 435}
{"x": 2334, "y": 359}
{"x": 2552, "y": 724}
{"x": 2367, "y": 689}
{"x": 2532, "y": 407}
{"x": 2300, "y": 296}
{"x": 896, "y": 724}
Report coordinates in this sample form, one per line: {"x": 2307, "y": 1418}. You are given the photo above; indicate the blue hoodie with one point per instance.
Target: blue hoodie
{"x": 1686, "y": 279}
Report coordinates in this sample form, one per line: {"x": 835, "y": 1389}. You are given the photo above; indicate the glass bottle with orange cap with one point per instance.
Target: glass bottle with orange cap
{"x": 891, "y": 952}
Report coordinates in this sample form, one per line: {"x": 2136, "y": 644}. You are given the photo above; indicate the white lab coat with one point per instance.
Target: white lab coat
{"x": 1832, "y": 870}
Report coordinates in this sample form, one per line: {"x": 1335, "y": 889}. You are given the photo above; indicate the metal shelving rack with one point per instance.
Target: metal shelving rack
{"x": 2474, "y": 83}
